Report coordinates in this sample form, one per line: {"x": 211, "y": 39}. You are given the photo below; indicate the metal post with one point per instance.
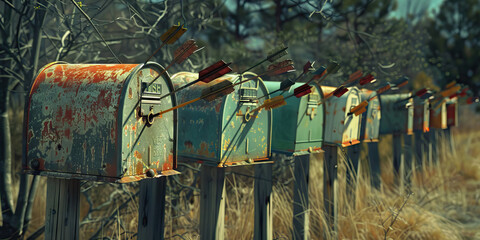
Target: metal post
{"x": 151, "y": 208}
{"x": 301, "y": 211}
{"x": 263, "y": 202}
{"x": 212, "y": 203}
{"x": 63, "y": 209}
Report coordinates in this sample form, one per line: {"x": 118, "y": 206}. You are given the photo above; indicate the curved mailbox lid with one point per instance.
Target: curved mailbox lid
{"x": 397, "y": 115}
{"x": 371, "y": 118}
{"x": 421, "y": 116}
{"x": 298, "y": 126}
{"x": 340, "y": 128}
{"x": 438, "y": 116}
{"x": 452, "y": 112}
{"x": 82, "y": 122}
{"x": 219, "y": 133}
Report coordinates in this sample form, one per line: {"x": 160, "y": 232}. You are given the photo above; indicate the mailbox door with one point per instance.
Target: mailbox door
{"x": 452, "y": 114}
{"x": 147, "y": 145}
{"x": 310, "y": 121}
{"x": 372, "y": 121}
{"x": 438, "y": 116}
{"x": 245, "y": 138}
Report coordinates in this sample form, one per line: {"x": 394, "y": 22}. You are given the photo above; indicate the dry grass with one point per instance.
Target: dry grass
{"x": 444, "y": 202}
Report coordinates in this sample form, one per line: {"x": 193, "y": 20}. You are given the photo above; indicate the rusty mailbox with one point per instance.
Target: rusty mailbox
{"x": 223, "y": 132}
{"x": 452, "y": 112}
{"x": 397, "y": 114}
{"x": 421, "y": 115}
{"x": 438, "y": 115}
{"x": 90, "y": 121}
{"x": 298, "y": 126}
{"x": 370, "y": 123}
{"x": 341, "y": 128}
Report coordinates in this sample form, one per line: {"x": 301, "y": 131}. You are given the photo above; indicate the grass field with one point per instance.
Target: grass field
{"x": 443, "y": 201}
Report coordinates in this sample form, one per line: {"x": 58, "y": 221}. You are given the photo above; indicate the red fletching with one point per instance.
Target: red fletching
{"x": 340, "y": 91}
{"x": 367, "y": 79}
{"x": 421, "y": 92}
{"x": 307, "y": 67}
{"x": 463, "y": 93}
{"x": 302, "y": 90}
{"x": 215, "y": 71}
{"x": 281, "y": 67}
{"x": 184, "y": 51}
{"x": 453, "y": 95}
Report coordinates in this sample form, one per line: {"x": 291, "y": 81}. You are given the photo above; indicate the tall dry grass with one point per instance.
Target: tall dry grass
{"x": 443, "y": 201}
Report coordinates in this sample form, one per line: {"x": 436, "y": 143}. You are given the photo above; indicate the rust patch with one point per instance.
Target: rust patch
{"x": 168, "y": 165}
{"x": 218, "y": 106}
{"x": 137, "y": 155}
{"x": 130, "y": 93}
{"x": 188, "y": 144}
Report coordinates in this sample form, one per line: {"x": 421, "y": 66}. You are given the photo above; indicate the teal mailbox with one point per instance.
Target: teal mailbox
{"x": 370, "y": 123}
{"x": 224, "y": 131}
{"x": 397, "y": 114}
{"x": 341, "y": 128}
{"x": 298, "y": 126}
{"x": 86, "y": 121}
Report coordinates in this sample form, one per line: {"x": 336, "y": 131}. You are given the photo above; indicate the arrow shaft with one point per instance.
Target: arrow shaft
{"x": 156, "y": 51}
{"x": 176, "y": 107}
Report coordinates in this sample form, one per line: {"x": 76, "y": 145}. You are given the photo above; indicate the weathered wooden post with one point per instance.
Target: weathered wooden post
{"x": 397, "y": 119}
{"x": 298, "y": 131}
{"x": 90, "y": 122}
{"x": 223, "y": 133}
{"x": 438, "y": 122}
{"x": 341, "y": 130}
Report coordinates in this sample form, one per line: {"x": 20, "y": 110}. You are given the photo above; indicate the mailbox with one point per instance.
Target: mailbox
{"x": 397, "y": 114}
{"x": 340, "y": 127}
{"x": 452, "y": 113}
{"x": 438, "y": 116}
{"x": 86, "y": 121}
{"x": 298, "y": 126}
{"x": 223, "y": 132}
{"x": 421, "y": 115}
{"x": 370, "y": 122}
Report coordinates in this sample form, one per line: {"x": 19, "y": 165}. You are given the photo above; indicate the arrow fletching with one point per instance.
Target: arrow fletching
{"x": 450, "y": 91}
{"x": 401, "y": 82}
{"x": 421, "y": 92}
{"x": 367, "y": 79}
{"x": 383, "y": 89}
{"x": 354, "y": 76}
{"x": 274, "y": 102}
{"x": 340, "y": 91}
{"x": 277, "y": 53}
{"x": 302, "y": 90}
{"x": 217, "y": 90}
{"x": 214, "y": 71}
{"x": 279, "y": 68}
{"x": 359, "y": 109}
{"x": 173, "y": 34}
{"x": 450, "y": 84}
{"x": 463, "y": 93}
{"x": 285, "y": 84}
{"x": 186, "y": 50}
{"x": 308, "y": 67}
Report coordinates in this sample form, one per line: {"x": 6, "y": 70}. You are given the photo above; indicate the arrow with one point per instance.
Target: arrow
{"x": 367, "y": 79}
{"x": 169, "y": 37}
{"x": 206, "y": 75}
{"x": 419, "y": 93}
{"x": 271, "y": 103}
{"x": 179, "y": 55}
{"x": 221, "y": 89}
{"x": 359, "y": 109}
{"x": 273, "y": 55}
{"x": 286, "y": 84}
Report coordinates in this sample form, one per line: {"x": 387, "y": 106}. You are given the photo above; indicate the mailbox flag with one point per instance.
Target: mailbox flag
{"x": 214, "y": 71}
{"x": 340, "y": 91}
{"x": 302, "y": 90}
{"x": 186, "y": 50}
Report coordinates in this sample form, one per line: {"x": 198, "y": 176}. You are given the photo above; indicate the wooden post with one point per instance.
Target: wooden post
{"x": 151, "y": 208}
{"x": 420, "y": 150}
{"x": 374, "y": 163}
{"x": 301, "y": 210}
{"x": 449, "y": 140}
{"x": 434, "y": 141}
{"x": 428, "y": 148}
{"x": 353, "y": 158}
{"x": 330, "y": 186}
{"x": 212, "y": 203}
{"x": 398, "y": 159}
{"x": 263, "y": 229}
{"x": 407, "y": 159}
{"x": 63, "y": 209}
